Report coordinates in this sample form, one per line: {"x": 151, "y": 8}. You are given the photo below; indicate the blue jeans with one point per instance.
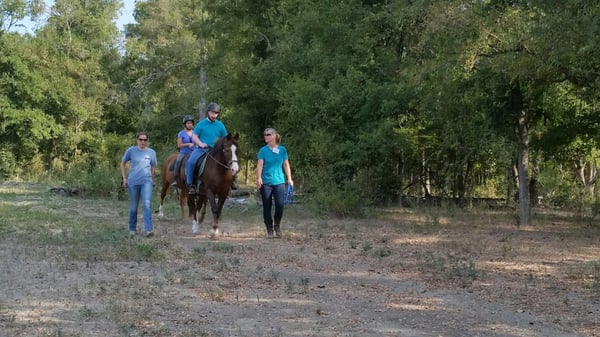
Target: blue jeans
{"x": 191, "y": 163}
{"x": 145, "y": 191}
{"x": 270, "y": 193}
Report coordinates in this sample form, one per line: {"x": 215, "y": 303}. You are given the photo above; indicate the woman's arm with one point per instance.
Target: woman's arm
{"x": 123, "y": 174}
{"x": 288, "y": 172}
{"x": 259, "y": 168}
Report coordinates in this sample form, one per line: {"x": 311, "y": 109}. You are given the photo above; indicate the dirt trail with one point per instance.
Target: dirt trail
{"x": 392, "y": 277}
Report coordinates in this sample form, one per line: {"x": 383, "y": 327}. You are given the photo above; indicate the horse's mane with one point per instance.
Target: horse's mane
{"x": 220, "y": 143}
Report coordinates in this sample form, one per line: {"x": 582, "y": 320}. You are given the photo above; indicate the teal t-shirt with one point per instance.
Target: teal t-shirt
{"x": 140, "y": 165}
{"x": 272, "y": 173}
{"x": 209, "y": 132}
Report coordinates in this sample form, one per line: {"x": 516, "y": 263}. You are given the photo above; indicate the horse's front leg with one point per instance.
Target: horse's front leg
{"x": 199, "y": 212}
{"x": 193, "y": 207}
{"x": 215, "y": 208}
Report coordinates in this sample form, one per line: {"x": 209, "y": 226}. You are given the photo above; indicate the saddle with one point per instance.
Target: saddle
{"x": 182, "y": 161}
{"x": 198, "y": 169}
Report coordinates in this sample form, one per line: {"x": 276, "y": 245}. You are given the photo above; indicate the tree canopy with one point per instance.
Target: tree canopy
{"x": 376, "y": 100}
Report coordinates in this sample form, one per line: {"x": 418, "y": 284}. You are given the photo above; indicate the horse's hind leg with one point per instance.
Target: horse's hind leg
{"x": 182, "y": 203}
{"x": 163, "y": 193}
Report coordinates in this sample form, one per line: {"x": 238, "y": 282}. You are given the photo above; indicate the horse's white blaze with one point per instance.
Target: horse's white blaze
{"x": 195, "y": 227}
{"x": 234, "y": 165}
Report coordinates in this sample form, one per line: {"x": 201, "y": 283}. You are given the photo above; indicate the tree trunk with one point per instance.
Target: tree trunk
{"x": 425, "y": 182}
{"x": 587, "y": 174}
{"x": 203, "y": 83}
{"x": 522, "y": 155}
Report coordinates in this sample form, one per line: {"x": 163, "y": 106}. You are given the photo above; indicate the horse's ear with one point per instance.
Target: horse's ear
{"x": 236, "y": 136}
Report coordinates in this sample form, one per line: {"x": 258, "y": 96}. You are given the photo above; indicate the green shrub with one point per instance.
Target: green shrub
{"x": 98, "y": 181}
{"x": 343, "y": 201}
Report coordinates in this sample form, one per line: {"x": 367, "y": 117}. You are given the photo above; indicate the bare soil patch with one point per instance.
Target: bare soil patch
{"x": 401, "y": 272}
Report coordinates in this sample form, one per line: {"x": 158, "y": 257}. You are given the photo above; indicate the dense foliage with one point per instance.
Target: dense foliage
{"x": 376, "y": 100}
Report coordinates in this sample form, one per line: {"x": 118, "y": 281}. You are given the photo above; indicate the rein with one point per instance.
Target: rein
{"x": 219, "y": 162}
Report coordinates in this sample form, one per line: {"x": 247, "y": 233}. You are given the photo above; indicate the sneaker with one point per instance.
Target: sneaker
{"x": 191, "y": 189}
{"x": 150, "y": 234}
{"x": 174, "y": 184}
{"x": 132, "y": 233}
{"x": 278, "y": 233}
{"x": 269, "y": 234}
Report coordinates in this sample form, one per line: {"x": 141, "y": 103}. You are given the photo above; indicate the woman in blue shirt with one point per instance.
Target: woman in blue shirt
{"x": 272, "y": 172}
{"x": 185, "y": 144}
{"x": 140, "y": 181}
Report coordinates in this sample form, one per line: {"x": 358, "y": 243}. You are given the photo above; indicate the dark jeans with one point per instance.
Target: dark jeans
{"x": 270, "y": 193}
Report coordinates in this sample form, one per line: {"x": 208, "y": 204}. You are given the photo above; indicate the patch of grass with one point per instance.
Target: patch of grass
{"x": 452, "y": 266}
{"x": 199, "y": 252}
{"x": 367, "y": 247}
{"x": 289, "y": 286}
{"x": 216, "y": 294}
{"x": 140, "y": 251}
{"x": 86, "y": 313}
{"x": 222, "y": 247}
{"x": 304, "y": 282}
{"x": 383, "y": 252}
{"x": 588, "y": 272}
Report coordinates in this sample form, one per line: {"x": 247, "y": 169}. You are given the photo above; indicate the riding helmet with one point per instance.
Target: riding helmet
{"x": 213, "y": 107}
{"x": 188, "y": 118}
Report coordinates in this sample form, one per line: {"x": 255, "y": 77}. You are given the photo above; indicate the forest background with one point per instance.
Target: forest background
{"x": 377, "y": 101}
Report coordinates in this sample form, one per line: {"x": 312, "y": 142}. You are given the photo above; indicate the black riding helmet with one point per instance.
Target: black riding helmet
{"x": 213, "y": 107}
{"x": 188, "y": 118}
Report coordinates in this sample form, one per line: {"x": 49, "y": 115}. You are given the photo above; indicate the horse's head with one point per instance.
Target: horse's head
{"x": 228, "y": 146}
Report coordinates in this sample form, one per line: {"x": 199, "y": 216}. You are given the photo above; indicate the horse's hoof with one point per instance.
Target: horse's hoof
{"x": 195, "y": 229}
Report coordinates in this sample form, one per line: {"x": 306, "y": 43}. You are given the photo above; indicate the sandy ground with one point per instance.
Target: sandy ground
{"x": 407, "y": 273}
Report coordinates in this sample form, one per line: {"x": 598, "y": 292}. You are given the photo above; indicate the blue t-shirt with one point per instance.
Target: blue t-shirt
{"x": 141, "y": 163}
{"x": 272, "y": 173}
{"x": 185, "y": 139}
{"x": 209, "y": 132}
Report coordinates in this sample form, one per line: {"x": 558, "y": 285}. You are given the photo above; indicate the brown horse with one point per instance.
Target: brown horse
{"x": 167, "y": 180}
{"x": 219, "y": 169}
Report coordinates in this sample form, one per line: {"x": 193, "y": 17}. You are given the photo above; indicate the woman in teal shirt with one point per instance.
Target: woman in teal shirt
{"x": 272, "y": 172}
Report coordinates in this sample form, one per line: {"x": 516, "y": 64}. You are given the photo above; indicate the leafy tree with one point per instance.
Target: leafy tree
{"x": 13, "y": 11}
{"x": 164, "y": 60}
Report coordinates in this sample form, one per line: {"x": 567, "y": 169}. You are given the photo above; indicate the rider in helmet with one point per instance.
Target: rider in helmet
{"x": 185, "y": 144}
{"x": 205, "y": 136}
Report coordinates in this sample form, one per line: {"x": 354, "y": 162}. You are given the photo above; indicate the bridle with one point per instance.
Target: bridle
{"x": 228, "y": 166}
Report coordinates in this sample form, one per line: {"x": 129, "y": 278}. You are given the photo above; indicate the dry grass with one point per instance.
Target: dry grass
{"x": 69, "y": 269}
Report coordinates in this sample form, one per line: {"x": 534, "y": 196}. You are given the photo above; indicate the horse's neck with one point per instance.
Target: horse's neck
{"x": 218, "y": 158}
